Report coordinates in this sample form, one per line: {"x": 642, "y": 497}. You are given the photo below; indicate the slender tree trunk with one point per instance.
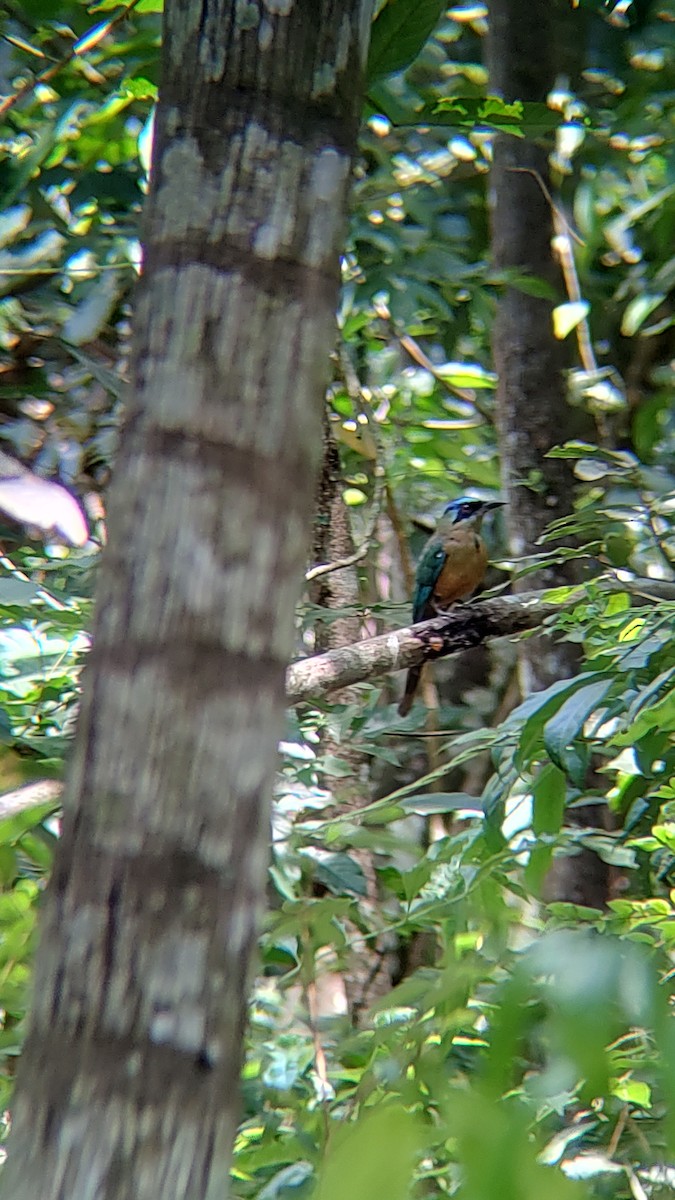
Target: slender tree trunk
{"x": 366, "y": 976}
{"x": 128, "y": 1086}
{"x": 533, "y": 414}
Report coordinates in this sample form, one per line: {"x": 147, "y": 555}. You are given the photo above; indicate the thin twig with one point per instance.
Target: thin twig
{"x": 84, "y": 44}
{"x": 557, "y": 212}
{"x": 415, "y": 351}
{"x": 565, "y": 235}
{"x": 617, "y": 1131}
{"x": 569, "y": 270}
{"x": 339, "y": 564}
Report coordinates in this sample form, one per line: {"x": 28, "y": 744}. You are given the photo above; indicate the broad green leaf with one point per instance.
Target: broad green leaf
{"x": 548, "y": 793}
{"x": 529, "y": 718}
{"x": 340, "y": 873}
{"x": 498, "y": 1152}
{"x": 372, "y": 1157}
{"x": 568, "y": 722}
{"x": 660, "y": 716}
{"x": 398, "y": 34}
{"x": 13, "y": 828}
{"x": 633, "y": 1091}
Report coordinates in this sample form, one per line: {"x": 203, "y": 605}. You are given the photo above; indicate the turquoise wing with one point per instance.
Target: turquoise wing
{"x": 428, "y": 570}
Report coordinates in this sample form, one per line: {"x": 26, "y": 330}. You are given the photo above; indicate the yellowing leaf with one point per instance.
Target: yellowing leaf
{"x": 566, "y": 317}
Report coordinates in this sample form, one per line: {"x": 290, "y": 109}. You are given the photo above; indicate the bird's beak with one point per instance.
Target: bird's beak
{"x": 490, "y": 504}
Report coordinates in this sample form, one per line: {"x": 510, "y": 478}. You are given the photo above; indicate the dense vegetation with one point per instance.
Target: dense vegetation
{"x": 526, "y": 1046}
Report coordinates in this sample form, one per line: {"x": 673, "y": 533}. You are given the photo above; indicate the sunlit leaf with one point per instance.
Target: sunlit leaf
{"x": 41, "y": 505}
{"x": 567, "y": 316}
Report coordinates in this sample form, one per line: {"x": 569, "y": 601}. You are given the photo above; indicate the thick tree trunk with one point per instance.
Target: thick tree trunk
{"x": 532, "y": 411}
{"x": 533, "y": 414}
{"x": 128, "y": 1086}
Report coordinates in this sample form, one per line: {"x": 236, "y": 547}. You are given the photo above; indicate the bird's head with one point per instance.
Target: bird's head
{"x": 466, "y": 510}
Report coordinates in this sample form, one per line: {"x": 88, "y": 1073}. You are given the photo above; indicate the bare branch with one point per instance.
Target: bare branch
{"x": 339, "y": 565}
{"x": 28, "y": 796}
{"x": 465, "y": 626}
{"x": 95, "y": 35}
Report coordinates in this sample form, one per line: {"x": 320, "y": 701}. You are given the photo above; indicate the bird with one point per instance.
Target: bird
{"x": 452, "y": 566}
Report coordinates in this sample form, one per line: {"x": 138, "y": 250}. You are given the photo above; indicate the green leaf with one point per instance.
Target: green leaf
{"x": 12, "y": 828}
{"x": 398, "y": 34}
{"x": 574, "y": 760}
{"x": 521, "y": 119}
{"x": 494, "y": 106}
{"x": 7, "y": 865}
{"x": 659, "y": 716}
{"x": 140, "y": 88}
{"x": 536, "y": 710}
{"x": 529, "y": 285}
{"x": 498, "y": 1152}
{"x": 466, "y": 375}
{"x": 548, "y": 795}
{"x": 373, "y": 1157}
{"x": 633, "y": 1091}
{"x": 637, "y": 312}
{"x": 426, "y": 803}
{"x": 340, "y": 873}
{"x": 562, "y": 728}
{"x": 143, "y": 6}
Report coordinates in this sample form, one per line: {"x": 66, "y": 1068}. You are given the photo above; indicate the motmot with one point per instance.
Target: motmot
{"x": 452, "y": 566}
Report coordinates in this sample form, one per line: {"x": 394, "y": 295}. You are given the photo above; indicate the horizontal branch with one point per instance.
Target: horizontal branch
{"x": 41, "y": 791}
{"x": 466, "y": 625}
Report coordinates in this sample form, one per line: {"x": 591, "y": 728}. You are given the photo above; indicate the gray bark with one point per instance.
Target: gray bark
{"x": 129, "y": 1081}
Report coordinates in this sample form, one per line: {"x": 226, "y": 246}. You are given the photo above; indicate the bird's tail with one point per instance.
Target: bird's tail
{"x": 411, "y": 684}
